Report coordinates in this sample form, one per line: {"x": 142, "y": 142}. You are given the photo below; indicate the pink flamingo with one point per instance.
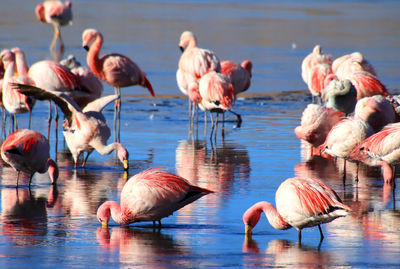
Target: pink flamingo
{"x": 300, "y": 203}
{"x": 88, "y": 81}
{"x": 193, "y": 64}
{"x": 150, "y": 196}
{"x": 316, "y": 122}
{"x": 315, "y": 57}
{"x": 28, "y": 151}
{"x": 350, "y": 63}
{"x": 58, "y": 14}
{"x": 115, "y": 69}
{"x": 217, "y": 95}
{"x": 317, "y": 76}
{"x": 381, "y": 149}
{"x": 13, "y": 101}
{"x": 367, "y": 84}
{"x": 85, "y": 130}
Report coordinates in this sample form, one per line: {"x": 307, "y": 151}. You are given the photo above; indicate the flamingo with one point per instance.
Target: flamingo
{"x": 217, "y": 95}
{"x": 340, "y": 95}
{"x": 193, "y": 64}
{"x": 367, "y": 84}
{"x": 239, "y": 75}
{"x": 58, "y": 14}
{"x": 317, "y": 76}
{"x": 28, "y": 151}
{"x": 85, "y": 129}
{"x": 316, "y": 122}
{"x": 88, "y": 81}
{"x": 115, "y": 69}
{"x": 13, "y": 101}
{"x": 315, "y": 57}
{"x": 381, "y": 149}
{"x": 350, "y": 63}
{"x": 300, "y": 203}
{"x": 151, "y": 195}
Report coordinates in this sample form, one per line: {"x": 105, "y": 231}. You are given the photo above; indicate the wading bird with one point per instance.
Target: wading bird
{"x": 28, "y": 151}
{"x": 151, "y": 195}
{"x": 300, "y": 203}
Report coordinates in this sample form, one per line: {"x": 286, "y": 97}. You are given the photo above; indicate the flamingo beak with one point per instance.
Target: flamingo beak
{"x": 182, "y": 49}
{"x": 86, "y": 48}
{"x": 104, "y": 224}
{"x": 126, "y": 165}
{"x": 248, "y": 229}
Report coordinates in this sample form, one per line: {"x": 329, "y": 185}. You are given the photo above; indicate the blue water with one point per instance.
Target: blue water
{"x": 48, "y": 227}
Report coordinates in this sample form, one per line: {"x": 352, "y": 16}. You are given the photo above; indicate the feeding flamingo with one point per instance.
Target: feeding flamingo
{"x": 13, "y": 101}
{"x": 300, "y": 203}
{"x": 217, "y": 95}
{"x": 151, "y": 195}
{"x": 85, "y": 129}
{"x": 115, "y": 69}
{"x": 381, "y": 149}
{"x": 58, "y": 14}
{"x": 193, "y": 64}
{"x": 28, "y": 151}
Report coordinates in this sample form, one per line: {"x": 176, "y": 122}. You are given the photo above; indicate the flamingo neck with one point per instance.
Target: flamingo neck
{"x": 92, "y": 57}
{"x": 273, "y": 216}
{"x": 107, "y": 149}
{"x": 116, "y": 212}
{"x": 22, "y": 66}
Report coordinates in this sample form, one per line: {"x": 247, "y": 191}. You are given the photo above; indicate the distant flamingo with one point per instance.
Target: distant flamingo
{"x": 115, "y": 69}
{"x": 316, "y": 122}
{"x": 381, "y": 149}
{"x": 28, "y": 151}
{"x": 193, "y": 64}
{"x": 351, "y": 63}
{"x": 150, "y": 196}
{"x": 240, "y": 75}
{"x": 58, "y": 14}
{"x": 85, "y": 130}
{"x": 13, "y": 101}
{"x": 217, "y": 95}
{"x": 300, "y": 203}
{"x": 315, "y": 57}
{"x": 88, "y": 81}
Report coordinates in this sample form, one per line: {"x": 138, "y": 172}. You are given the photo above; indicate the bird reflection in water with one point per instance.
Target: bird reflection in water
{"x": 142, "y": 248}
{"x": 24, "y": 214}
{"x": 283, "y": 253}
{"x": 212, "y": 168}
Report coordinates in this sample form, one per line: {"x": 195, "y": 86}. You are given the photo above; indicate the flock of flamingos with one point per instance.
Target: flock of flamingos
{"x": 353, "y": 120}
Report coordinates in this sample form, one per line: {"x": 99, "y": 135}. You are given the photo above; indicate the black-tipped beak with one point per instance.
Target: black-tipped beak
{"x": 181, "y": 48}
{"x": 86, "y": 48}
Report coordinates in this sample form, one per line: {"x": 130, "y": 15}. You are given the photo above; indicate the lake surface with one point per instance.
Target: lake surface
{"x": 50, "y": 226}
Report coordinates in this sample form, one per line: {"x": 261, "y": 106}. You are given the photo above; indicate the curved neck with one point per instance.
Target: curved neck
{"x": 22, "y": 66}
{"x": 92, "y": 57}
{"x": 107, "y": 149}
{"x": 273, "y": 216}
{"x": 116, "y": 212}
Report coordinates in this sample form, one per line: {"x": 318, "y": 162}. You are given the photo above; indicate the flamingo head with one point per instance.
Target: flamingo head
{"x": 187, "y": 39}
{"x": 104, "y": 213}
{"x": 251, "y": 218}
{"x": 6, "y": 57}
{"x": 39, "y": 11}
{"x": 88, "y": 36}
{"x": 53, "y": 170}
{"x": 123, "y": 156}
{"x": 248, "y": 65}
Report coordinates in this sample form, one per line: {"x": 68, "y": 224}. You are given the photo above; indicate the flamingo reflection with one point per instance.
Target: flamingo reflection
{"x": 142, "y": 248}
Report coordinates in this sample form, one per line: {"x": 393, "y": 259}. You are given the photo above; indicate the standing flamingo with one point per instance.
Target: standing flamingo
{"x": 300, "y": 203}
{"x": 217, "y": 95}
{"x": 193, "y": 64}
{"x": 381, "y": 149}
{"x": 58, "y": 14}
{"x": 115, "y": 69}
{"x": 85, "y": 130}
{"x": 315, "y": 57}
{"x": 13, "y": 101}
{"x": 151, "y": 195}
{"x": 28, "y": 151}
{"x": 240, "y": 76}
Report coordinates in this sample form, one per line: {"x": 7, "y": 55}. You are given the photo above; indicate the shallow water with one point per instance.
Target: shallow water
{"x": 50, "y": 226}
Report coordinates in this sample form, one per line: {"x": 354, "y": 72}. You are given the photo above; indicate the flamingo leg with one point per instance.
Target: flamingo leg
{"x": 30, "y": 117}
{"x": 15, "y": 123}
{"x": 117, "y": 115}
{"x": 238, "y": 118}
{"x": 49, "y": 122}
{"x": 18, "y": 178}
{"x": 344, "y": 170}
{"x": 320, "y": 232}
{"x": 299, "y": 238}
{"x": 87, "y": 156}
{"x": 212, "y": 125}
